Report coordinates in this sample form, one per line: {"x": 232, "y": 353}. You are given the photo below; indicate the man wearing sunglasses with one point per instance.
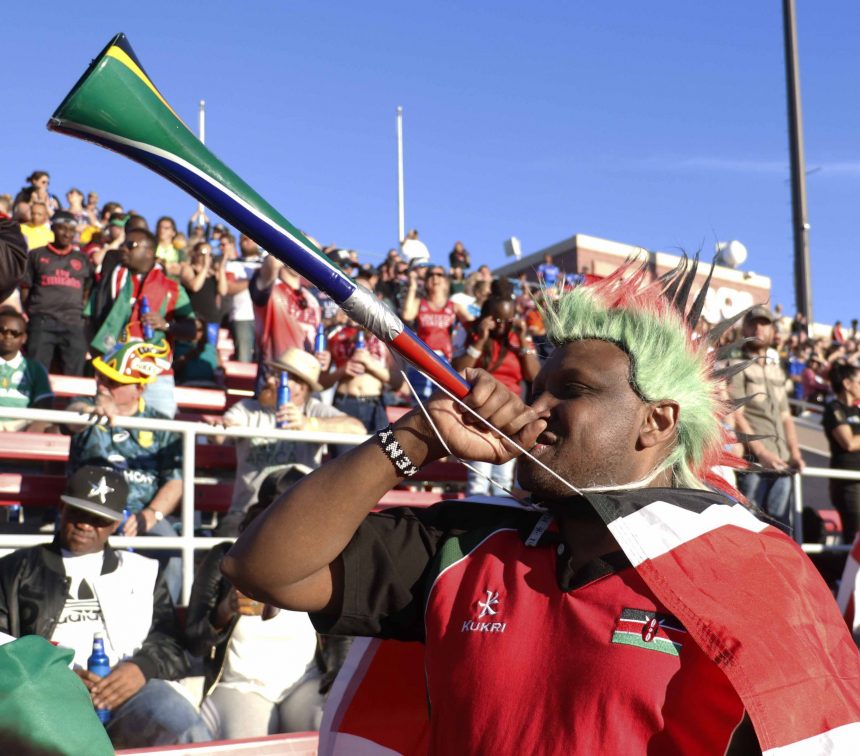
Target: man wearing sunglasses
{"x": 23, "y": 382}
{"x": 76, "y": 586}
{"x": 128, "y": 275}
{"x": 149, "y": 461}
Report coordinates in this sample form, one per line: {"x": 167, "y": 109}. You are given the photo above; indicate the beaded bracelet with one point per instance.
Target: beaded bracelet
{"x": 392, "y": 450}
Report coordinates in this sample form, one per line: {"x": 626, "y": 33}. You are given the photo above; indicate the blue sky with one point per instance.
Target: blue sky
{"x": 659, "y": 124}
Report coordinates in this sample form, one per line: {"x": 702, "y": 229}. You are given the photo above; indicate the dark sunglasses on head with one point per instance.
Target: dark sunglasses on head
{"x": 11, "y": 332}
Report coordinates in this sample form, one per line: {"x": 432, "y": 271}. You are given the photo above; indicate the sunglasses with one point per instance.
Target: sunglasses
{"x": 436, "y": 274}
{"x": 11, "y": 332}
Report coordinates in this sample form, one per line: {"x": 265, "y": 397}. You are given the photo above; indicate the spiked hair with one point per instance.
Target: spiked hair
{"x": 650, "y": 322}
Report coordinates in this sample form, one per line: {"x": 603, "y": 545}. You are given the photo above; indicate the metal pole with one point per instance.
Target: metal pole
{"x": 401, "y": 213}
{"x": 188, "y": 466}
{"x": 800, "y": 221}
{"x": 201, "y": 133}
{"x": 797, "y": 502}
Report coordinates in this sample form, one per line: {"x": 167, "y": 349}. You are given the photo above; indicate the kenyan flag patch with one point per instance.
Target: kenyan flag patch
{"x": 649, "y": 630}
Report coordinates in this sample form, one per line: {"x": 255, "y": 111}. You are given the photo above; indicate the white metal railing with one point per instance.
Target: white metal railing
{"x": 816, "y": 472}
{"x": 187, "y": 542}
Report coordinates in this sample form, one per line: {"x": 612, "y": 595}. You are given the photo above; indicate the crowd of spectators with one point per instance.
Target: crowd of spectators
{"x": 96, "y": 292}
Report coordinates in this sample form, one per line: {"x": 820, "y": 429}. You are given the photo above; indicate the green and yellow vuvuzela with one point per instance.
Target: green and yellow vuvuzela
{"x": 116, "y": 105}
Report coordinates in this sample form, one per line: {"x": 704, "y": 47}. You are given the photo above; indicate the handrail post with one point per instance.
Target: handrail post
{"x": 797, "y": 499}
{"x": 189, "y": 438}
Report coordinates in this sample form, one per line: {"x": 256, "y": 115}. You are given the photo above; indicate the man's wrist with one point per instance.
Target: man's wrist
{"x": 417, "y": 439}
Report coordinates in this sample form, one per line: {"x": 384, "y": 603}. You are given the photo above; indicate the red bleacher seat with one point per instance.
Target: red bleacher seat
{"x": 187, "y": 397}
{"x": 240, "y": 376}
{"x": 37, "y": 490}
{"x": 47, "y": 447}
{"x": 292, "y": 744}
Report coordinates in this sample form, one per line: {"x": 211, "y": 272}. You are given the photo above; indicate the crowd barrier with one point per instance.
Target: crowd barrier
{"x": 35, "y": 489}
{"x": 186, "y": 542}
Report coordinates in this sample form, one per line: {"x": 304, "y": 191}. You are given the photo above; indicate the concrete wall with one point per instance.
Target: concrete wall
{"x": 730, "y": 290}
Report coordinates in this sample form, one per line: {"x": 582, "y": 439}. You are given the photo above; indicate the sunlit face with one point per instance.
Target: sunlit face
{"x": 594, "y": 420}
{"x": 436, "y": 281}
{"x": 165, "y": 231}
{"x": 138, "y": 252}
{"x": 38, "y": 214}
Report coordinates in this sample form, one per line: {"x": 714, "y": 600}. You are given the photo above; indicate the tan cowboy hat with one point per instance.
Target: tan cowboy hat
{"x": 301, "y": 365}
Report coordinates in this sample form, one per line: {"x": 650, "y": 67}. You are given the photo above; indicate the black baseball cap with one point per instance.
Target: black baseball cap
{"x": 98, "y": 490}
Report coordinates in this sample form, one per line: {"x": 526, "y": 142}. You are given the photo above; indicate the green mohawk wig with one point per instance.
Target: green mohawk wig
{"x": 651, "y": 323}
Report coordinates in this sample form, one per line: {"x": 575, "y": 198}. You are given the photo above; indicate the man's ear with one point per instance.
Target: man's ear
{"x": 660, "y": 424}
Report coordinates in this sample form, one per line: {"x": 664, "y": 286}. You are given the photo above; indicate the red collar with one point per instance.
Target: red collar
{"x": 62, "y": 252}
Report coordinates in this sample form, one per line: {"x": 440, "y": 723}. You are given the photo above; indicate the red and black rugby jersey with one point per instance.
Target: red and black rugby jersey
{"x": 521, "y": 655}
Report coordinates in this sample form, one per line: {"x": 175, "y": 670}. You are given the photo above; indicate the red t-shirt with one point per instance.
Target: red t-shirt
{"x": 341, "y": 344}
{"x": 285, "y": 318}
{"x": 603, "y": 668}
{"x": 509, "y": 371}
{"x": 434, "y": 326}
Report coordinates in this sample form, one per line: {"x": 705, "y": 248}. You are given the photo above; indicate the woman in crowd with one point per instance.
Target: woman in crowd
{"x": 434, "y": 316}
{"x": 261, "y": 671}
{"x": 37, "y": 191}
{"x": 498, "y": 343}
{"x": 205, "y": 280}
{"x": 842, "y": 426}
{"x": 166, "y": 252}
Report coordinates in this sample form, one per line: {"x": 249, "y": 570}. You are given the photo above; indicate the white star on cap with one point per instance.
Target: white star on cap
{"x": 100, "y": 489}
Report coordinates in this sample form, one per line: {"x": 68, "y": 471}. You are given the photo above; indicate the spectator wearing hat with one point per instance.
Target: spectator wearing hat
{"x": 23, "y": 382}
{"x": 766, "y": 415}
{"x": 107, "y": 243}
{"x": 257, "y": 457}
{"x": 68, "y": 590}
{"x": 262, "y": 674}
{"x": 149, "y": 461}
{"x": 55, "y": 287}
{"x": 37, "y": 230}
{"x": 115, "y": 308}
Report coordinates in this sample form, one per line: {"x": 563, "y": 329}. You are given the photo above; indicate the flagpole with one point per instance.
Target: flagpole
{"x": 201, "y": 133}
{"x": 799, "y": 211}
{"x": 401, "y": 214}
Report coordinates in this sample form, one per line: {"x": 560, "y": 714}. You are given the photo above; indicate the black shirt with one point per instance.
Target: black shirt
{"x": 58, "y": 282}
{"x": 835, "y": 414}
